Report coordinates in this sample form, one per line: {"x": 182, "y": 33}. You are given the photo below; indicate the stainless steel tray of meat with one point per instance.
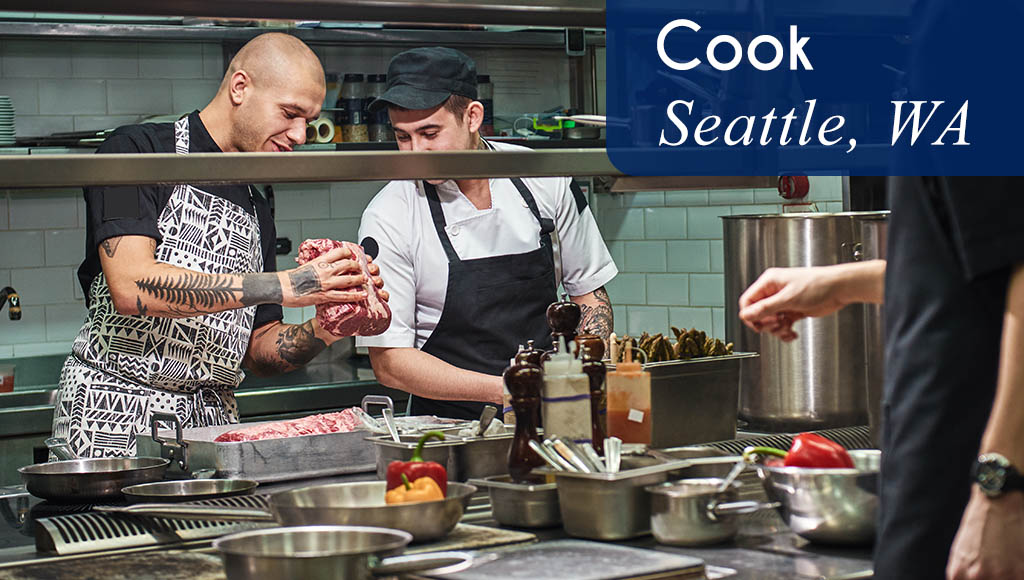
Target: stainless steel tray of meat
{"x": 195, "y": 452}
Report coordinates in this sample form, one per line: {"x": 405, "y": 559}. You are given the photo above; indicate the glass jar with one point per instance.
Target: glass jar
{"x": 351, "y": 103}
{"x": 379, "y": 123}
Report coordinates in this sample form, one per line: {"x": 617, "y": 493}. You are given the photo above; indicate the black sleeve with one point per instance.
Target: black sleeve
{"x": 984, "y": 218}
{"x": 266, "y": 313}
{"x": 121, "y": 210}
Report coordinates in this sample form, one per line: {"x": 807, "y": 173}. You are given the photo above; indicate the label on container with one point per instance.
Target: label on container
{"x": 636, "y": 416}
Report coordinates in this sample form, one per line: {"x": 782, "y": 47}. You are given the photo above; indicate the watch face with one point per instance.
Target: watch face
{"x": 991, "y": 474}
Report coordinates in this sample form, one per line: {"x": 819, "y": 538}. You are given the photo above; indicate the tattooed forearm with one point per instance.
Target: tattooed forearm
{"x": 109, "y": 246}
{"x": 261, "y": 289}
{"x": 597, "y": 319}
{"x": 304, "y": 281}
{"x": 294, "y": 346}
{"x": 143, "y": 310}
{"x": 191, "y": 289}
{"x": 297, "y": 344}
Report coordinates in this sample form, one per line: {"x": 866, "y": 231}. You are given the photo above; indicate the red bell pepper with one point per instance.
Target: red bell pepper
{"x": 416, "y": 468}
{"x": 809, "y": 450}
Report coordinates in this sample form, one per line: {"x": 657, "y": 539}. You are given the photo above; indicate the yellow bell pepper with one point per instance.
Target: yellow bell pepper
{"x": 423, "y": 489}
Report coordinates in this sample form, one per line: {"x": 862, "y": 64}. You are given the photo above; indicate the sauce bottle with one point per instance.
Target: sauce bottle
{"x": 524, "y": 381}
{"x": 566, "y": 397}
{"x": 629, "y": 401}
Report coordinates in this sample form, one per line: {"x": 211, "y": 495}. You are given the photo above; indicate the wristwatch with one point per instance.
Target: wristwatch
{"x": 995, "y": 476}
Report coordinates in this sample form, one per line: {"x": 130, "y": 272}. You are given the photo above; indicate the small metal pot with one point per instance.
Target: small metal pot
{"x": 692, "y": 512}
{"x": 187, "y": 490}
{"x": 328, "y": 552}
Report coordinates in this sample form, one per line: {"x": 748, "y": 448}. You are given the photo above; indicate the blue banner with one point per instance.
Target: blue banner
{"x": 865, "y": 87}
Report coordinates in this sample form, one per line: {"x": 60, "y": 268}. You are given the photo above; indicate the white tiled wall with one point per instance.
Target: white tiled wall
{"x": 668, "y": 247}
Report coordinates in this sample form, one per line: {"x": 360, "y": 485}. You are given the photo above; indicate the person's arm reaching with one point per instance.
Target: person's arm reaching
{"x": 782, "y": 296}
{"x": 987, "y": 545}
{"x": 425, "y": 375}
{"x": 139, "y": 284}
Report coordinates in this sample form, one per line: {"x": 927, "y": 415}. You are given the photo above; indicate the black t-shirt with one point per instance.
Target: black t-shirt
{"x": 134, "y": 210}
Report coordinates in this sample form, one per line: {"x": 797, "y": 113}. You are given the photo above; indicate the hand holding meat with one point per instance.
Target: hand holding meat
{"x": 331, "y": 277}
{"x": 366, "y": 315}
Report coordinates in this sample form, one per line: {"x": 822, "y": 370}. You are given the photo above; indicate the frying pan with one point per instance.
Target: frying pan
{"x": 85, "y": 480}
{"x": 359, "y": 503}
{"x": 187, "y": 490}
{"x": 328, "y": 552}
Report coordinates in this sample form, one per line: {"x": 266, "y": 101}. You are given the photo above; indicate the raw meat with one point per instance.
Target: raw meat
{"x": 367, "y": 318}
{"x": 340, "y": 422}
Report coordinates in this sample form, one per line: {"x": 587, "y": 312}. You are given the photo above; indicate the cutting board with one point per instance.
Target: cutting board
{"x": 581, "y": 560}
{"x": 470, "y": 537}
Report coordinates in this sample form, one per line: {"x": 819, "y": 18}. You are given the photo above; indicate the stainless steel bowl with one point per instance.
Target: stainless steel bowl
{"x": 188, "y": 490}
{"x": 832, "y": 506}
{"x": 362, "y": 504}
{"x": 326, "y": 552}
{"x": 522, "y": 505}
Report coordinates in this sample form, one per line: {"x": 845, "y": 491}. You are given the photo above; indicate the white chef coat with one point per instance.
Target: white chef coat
{"x": 413, "y": 263}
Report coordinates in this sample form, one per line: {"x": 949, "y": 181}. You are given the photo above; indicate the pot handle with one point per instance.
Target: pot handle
{"x": 435, "y": 563}
{"x": 183, "y": 512}
{"x": 717, "y": 511}
{"x": 60, "y": 448}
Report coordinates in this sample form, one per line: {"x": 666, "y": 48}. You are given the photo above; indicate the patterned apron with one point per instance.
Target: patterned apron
{"x": 122, "y": 369}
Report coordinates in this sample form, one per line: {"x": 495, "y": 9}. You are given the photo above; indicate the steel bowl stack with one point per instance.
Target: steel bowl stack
{"x": 6, "y": 121}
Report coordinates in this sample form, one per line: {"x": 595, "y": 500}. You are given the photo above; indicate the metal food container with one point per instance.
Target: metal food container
{"x": 288, "y": 458}
{"x": 695, "y": 401}
{"x": 522, "y": 505}
{"x": 464, "y": 458}
{"x": 610, "y": 506}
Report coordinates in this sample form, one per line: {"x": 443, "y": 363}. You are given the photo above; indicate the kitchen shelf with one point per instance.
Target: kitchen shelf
{"x": 39, "y": 171}
{"x": 315, "y": 36}
{"x": 393, "y": 146}
{"x": 577, "y": 13}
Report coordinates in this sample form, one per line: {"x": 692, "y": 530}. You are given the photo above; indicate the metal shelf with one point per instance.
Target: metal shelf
{"x": 333, "y": 36}
{"x": 37, "y": 171}
{"x": 577, "y": 13}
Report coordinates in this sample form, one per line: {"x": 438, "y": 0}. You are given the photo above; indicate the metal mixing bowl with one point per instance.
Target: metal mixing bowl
{"x": 832, "y": 506}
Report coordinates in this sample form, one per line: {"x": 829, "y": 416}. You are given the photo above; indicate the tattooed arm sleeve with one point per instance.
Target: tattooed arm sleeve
{"x": 596, "y": 309}
{"x": 141, "y": 285}
{"x": 277, "y": 348}
{"x": 597, "y": 315}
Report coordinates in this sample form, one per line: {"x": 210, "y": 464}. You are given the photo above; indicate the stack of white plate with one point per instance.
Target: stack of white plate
{"x": 6, "y": 121}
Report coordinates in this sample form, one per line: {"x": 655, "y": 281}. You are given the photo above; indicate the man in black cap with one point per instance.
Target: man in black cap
{"x": 472, "y": 264}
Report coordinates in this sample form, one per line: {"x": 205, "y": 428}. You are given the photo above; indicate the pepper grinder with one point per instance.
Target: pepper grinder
{"x": 523, "y": 381}
{"x": 590, "y": 350}
{"x": 563, "y": 319}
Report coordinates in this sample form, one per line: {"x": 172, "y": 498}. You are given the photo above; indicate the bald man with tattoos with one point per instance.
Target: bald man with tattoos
{"x": 180, "y": 280}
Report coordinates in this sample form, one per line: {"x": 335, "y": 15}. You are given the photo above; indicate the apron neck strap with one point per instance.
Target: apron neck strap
{"x": 437, "y": 214}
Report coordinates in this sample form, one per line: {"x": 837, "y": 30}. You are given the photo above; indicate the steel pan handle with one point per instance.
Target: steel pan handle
{"x": 60, "y": 448}
{"x": 435, "y": 563}
{"x": 176, "y": 450}
{"x": 377, "y": 400}
{"x": 182, "y": 512}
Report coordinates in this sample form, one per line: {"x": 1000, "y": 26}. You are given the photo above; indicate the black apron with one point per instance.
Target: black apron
{"x": 943, "y": 331}
{"x": 492, "y": 305}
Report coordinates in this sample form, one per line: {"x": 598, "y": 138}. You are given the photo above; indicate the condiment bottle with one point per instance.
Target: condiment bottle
{"x": 566, "y": 397}
{"x": 563, "y": 319}
{"x": 590, "y": 351}
{"x": 353, "y": 95}
{"x": 378, "y": 124}
{"x": 524, "y": 382}
{"x": 629, "y": 401}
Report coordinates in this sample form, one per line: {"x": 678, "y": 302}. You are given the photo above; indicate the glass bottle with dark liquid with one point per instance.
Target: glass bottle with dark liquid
{"x": 524, "y": 381}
